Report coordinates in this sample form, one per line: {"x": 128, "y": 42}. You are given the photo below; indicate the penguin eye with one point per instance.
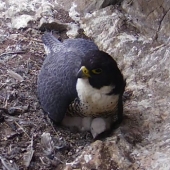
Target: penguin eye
{"x": 97, "y": 71}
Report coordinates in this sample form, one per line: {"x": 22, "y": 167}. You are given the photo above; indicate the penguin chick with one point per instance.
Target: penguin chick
{"x": 99, "y": 125}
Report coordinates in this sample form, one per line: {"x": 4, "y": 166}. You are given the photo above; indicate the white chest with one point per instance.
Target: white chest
{"x": 95, "y": 101}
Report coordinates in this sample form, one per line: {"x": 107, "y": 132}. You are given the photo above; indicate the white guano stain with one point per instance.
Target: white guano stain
{"x": 87, "y": 158}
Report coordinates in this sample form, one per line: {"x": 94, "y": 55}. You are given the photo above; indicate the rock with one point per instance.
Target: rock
{"x": 21, "y": 21}
{"x": 84, "y": 5}
{"x": 3, "y": 37}
{"x": 55, "y": 25}
{"x": 136, "y": 34}
{"x": 73, "y": 30}
{"x": 98, "y": 156}
{"x": 27, "y": 13}
{"x": 137, "y": 39}
{"x": 149, "y": 17}
{"x": 20, "y": 15}
{"x": 102, "y": 26}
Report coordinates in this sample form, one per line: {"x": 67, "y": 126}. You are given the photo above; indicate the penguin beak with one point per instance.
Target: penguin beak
{"x": 83, "y": 73}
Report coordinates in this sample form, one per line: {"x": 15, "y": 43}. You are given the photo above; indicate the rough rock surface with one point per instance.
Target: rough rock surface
{"x": 84, "y": 6}
{"x": 136, "y": 34}
{"x": 99, "y": 156}
{"x": 138, "y": 38}
{"x": 150, "y": 18}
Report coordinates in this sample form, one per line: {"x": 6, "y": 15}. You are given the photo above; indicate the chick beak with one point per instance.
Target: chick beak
{"x": 94, "y": 135}
{"x": 83, "y": 73}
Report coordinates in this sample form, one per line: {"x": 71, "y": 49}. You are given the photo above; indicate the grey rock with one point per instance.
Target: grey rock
{"x": 137, "y": 36}
{"x": 57, "y": 25}
{"x": 21, "y": 21}
{"x": 98, "y": 156}
{"x": 137, "y": 39}
{"x": 86, "y": 6}
{"x": 41, "y": 13}
{"x": 149, "y": 17}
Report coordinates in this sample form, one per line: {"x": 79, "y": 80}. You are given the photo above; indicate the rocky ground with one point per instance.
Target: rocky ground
{"x": 136, "y": 34}
{"x": 22, "y": 121}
